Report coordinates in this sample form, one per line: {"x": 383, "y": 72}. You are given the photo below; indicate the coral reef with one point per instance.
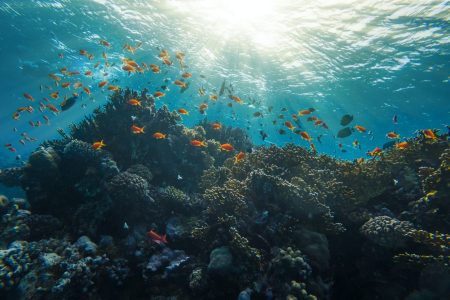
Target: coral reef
{"x": 282, "y": 223}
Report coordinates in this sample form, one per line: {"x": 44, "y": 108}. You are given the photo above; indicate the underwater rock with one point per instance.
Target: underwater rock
{"x": 315, "y": 246}
{"x": 11, "y": 176}
{"x": 13, "y": 221}
{"x": 290, "y": 263}
{"x": 49, "y": 260}
{"x": 141, "y": 171}
{"x": 44, "y": 163}
{"x": 168, "y": 259}
{"x": 387, "y": 232}
{"x": 14, "y": 263}
{"x": 221, "y": 261}
{"x": 127, "y": 189}
{"x": 86, "y": 246}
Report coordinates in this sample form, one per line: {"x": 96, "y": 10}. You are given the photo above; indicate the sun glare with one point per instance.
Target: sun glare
{"x": 252, "y": 19}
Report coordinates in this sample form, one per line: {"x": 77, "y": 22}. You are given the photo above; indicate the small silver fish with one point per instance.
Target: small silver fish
{"x": 125, "y": 226}
{"x": 179, "y": 177}
{"x": 395, "y": 181}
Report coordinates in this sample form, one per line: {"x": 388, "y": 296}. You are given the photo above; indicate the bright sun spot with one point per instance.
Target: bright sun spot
{"x": 254, "y": 20}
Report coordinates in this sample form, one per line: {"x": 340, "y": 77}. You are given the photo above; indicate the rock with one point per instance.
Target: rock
{"x": 85, "y": 245}
{"x": 220, "y": 261}
{"x": 49, "y": 260}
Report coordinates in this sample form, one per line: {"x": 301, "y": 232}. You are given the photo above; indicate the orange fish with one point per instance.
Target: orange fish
{"x": 77, "y": 85}
{"x": 179, "y": 55}
{"x": 183, "y": 111}
{"x": 52, "y": 108}
{"x": 113, "y": 87}
{"x": 130, "y": 62}
{"x": 180, "y": 83}
{"x": 75, "y": 94}
{"x": 155, "y": 68}
{"x": 65, "y": 84}
{"x": 203, "y": 107}
{"x": 96, "y": 65}
{"x": 134, "y": 102}
{"x": 402, "y": 145}
{"x": 236, "y": 99}
{"x": 129, "y": 68}
{"x": 240, "y": 156}
{"x": 159, "y": 135}
{"x": 98, "y": 145}
{"x": 55, "y": 95}
{"x": 158, "y": 94}
{"x": 429, "y": 134}
{"x": 137, "y": 130}
{"x": 186, "y": 75}
{"x": 360, "y": 128}
{"x": 393, "y": 135}
{"x": 216, "y": 126}
{"x": 213, "y": 97}
{"x": 167, "y": 61}
{"x": 103, "y": 83}
{"x": 87, "y": 90}
{"x": 105, "y": 43}
{"x": 83, "y": 52}
{"x": 289, "y": 125}
{"x": 28, "y": 96}
{"x": 355, "y": 143}
{"x": 57, "y": 78}
{"x": 88, "y": 73}
{"x": 164, "y": 54}
{"x": 197, "y": 143}
{"x": 304, "y": 112}
{"x": 227, "y": 147}
{"x": 156, "y": 237}
{"x": 375, "y": 152}
{"x": 15, "y": 115}
{"x": 305, "y": 135}
{"x": 313, "y": 147}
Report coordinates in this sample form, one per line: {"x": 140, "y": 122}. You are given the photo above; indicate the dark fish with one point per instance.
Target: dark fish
{"x": 202, "y": 76}
{"x": 222, "y": 88}
{"x": 312, "y": 109}
{"x": 270, "y": 108}
{"x": 164, "y": 87}
{"x": 68, "y": 103}
{"x": 230, "y": 104}
{"x": 319, "y": 137}
{"x": 274, "y": 122}
{"x": 344, "y": 132}
{"x": 395, "y": 119}
{"x": 284, "y": 109}
{"x": 263, "y": 135}
{"x": 282, "y": 131}
{"x": 280, "y": 116}
{"x": 346, "y": 119}
{"x": 257, "y": 114}
{"x": 388, "y": 145}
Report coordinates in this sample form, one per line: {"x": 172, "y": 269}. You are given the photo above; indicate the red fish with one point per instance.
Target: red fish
{"x": 227, "y": 147}
{"x": 137, "y": 130}
{"x": 375, "y": 152}
{"x": 156, "y": 237}
{"x": 102, "y": 84}
{"x": 28, "y": 96}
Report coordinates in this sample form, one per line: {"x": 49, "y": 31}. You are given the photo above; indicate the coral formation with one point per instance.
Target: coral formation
{"x": 282, "y": 223}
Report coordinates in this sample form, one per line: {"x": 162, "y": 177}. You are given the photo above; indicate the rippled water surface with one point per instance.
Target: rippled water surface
{"x": 370, "y": 59}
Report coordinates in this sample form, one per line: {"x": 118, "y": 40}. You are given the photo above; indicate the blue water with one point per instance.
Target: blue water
{"x": 365, "y": 58}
